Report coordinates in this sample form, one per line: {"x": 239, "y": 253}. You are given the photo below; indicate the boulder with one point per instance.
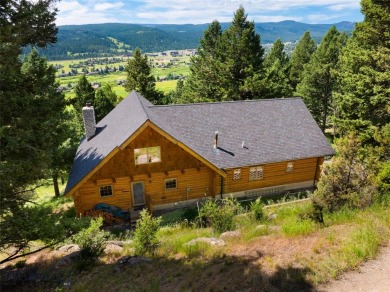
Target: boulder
{"x": 272, "y": 216}
{"x": 230, "y": 234}
{"x": 69, "y": 248}
{"x": 130, "y": 261}
{"x": 208, "y": 240}
{"x": 113, "y": 248}
{"x": 68, "y": 259}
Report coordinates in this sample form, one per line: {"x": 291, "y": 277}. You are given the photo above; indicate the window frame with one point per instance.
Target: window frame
{"x": 256, "y": 169}
{"x": 170, "y": 179}
{"x": 106, "y": 186}
{"x": 136, "y": 162}
{"x": 235, "y": 171}
{"x": 290, "y": 166}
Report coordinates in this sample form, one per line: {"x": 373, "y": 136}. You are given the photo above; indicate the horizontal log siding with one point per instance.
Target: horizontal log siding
{"x": 198, "y": 180}
{"x": 274, "y": 174}
{"x": 121, "y": 170}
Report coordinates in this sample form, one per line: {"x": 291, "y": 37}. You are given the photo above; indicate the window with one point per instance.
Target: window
{"x": 170, "y": 183}
{"x": 290, "y": 167}
{"x": 256, "y": 173}
{"x": 106, "y": 191}
{"x": 147, "y": 155}
{"x": 237, "y": 174}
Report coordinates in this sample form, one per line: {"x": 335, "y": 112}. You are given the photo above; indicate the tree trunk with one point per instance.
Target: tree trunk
{"x": 55, "y": 184}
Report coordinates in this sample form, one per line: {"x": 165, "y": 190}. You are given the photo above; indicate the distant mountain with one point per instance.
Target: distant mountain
{"x": 96, "y": 40}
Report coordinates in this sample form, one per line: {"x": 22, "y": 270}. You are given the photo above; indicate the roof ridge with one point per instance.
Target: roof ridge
{"x": 139, "y": 98}
{"x": 228, "y": 101}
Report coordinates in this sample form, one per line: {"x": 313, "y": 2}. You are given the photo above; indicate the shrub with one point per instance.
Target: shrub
{"x": 384, "y": 183}
{"x": 91, "y": 239}
{"x": 256, "y": 209}
{"x": 350, "y": 179}
{"x": 145, "y": 239}
{"x": 220, "y": 218}
{"x": 314, "y": 212}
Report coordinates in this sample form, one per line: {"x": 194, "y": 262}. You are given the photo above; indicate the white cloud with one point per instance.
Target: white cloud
{"x": 107, "y": 6}
{"x": 344, "y": 6}
{"x": 76, "y": 12}
{"x": 203, "y": 11}
{"x": 65, "y": 6}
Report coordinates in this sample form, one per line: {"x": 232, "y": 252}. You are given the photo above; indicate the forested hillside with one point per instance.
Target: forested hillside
{"x": 93, "y": 40}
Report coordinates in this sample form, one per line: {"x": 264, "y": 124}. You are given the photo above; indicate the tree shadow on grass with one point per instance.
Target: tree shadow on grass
{"x": 223, "y": 273}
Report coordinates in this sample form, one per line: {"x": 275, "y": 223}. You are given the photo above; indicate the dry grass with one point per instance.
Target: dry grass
{"x": 264, "y": 260}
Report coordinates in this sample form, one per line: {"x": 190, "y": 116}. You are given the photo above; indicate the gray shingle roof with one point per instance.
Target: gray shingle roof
{"x": 273, "y": 130}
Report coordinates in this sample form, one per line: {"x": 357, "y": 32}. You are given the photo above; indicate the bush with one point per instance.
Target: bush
{"x": 256, "y": 209}
{"x": 384, "y": 183}
{"x": 220, "y": 218}
{"x": 91, "y": 239}
{"x": 350, "y": 179}
{"x": 145, "y": 239}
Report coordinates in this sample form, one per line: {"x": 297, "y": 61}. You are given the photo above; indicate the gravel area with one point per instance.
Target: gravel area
{"x": 372, "y": 276}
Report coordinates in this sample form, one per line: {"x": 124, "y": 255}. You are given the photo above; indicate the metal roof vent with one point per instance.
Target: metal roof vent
{"x": 216, "y": 140}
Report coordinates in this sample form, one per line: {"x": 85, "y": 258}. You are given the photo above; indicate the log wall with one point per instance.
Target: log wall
{"x": 274, "y": 174}
{"x": 194, "y": 179}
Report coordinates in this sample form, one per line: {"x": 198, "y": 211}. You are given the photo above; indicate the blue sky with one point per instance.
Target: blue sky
{"x": 203, "y": 11}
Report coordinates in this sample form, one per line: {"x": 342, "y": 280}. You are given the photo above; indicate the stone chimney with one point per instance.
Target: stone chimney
{"x": 89, "y": 120}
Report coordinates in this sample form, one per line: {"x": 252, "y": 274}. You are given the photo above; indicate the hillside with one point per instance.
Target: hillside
{"x": 98, "y": 40}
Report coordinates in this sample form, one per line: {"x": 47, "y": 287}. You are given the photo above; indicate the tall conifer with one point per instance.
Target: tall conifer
{"x": 318, "y": 82}
{"x": 363, "y": 96}
{"x": 299, "y": 57}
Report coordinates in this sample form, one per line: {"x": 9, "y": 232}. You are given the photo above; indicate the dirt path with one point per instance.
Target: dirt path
{"x": 373, "y": 276}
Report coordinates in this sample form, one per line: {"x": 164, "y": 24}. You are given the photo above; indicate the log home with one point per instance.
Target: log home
{"x": 142, "y": 155}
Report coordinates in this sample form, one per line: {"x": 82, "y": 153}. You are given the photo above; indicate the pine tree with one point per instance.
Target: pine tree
{"x": 105, "y": 101}
{"x": 226, "y": 60}
{"x": 205, "y": 80}
{"x": 139, "y": 77}
{"x": 30, "y": 108}
{"x": 244, "y": 55}
{"x": 84, "y": 93}
{"x": 318, "y": 82}
{"x": 300, "y": 56}
{"x": 275, "y": 83}
{"x": 362, "y": 99}
{"x": 41, "y": 82}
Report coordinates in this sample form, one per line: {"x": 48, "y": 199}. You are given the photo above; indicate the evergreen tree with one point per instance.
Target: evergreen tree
{"x": 105, "y": 101}
{"x": 362, "y": 99}
{"x": 275, "y": 83}
{"x": 244, "y": 55}
{"x": 31, "y": 110}
{"x": 139, "y": 77}
{"x": 226, "y": 60}
{"x": 84, "y": 92}
{"x": 205, "y": 80}
{"x": 299, "y": 57}
{"x": 41, "y": 82}
{"x": 318, "y": 81}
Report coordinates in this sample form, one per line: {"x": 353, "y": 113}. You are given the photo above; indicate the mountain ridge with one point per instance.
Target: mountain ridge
{"x": 99, "y": 40}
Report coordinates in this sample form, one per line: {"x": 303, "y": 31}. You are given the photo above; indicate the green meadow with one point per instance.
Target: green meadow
{"x": 161, "y": 66}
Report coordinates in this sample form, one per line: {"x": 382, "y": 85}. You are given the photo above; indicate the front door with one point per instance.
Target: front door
{"x": 138, "y": 193}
